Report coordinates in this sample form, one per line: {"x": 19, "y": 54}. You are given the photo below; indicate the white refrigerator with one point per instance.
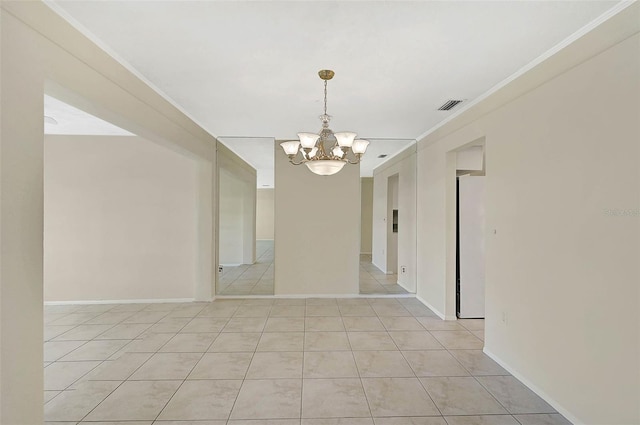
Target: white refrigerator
{"x": 471, "y": 240}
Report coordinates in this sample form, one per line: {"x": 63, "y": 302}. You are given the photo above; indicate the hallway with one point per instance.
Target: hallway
{"x": 375, "y": 281}
{"x": 291, "y": 361}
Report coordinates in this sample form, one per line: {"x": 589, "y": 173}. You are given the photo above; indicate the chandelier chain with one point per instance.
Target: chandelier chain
{"x": 325, "y": 97}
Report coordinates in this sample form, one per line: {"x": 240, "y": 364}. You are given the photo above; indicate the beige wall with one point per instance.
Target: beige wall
{"x": 119, "y": 221}
{"x": 40, "y": 49}
{"x": 560, "y": 268}
{"x": 366, "y": 214}
{"x": 236, "y": 209}
{"x": 231, "y": 212}
{"x": 404, "y": 166}
{"x": 317, "y": 230}
{"x": 265, "y": 214}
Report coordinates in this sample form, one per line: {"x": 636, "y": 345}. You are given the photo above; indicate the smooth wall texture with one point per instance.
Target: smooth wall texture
{"x": 563, "y": 161}
{"x": 317, "y": 233}
{"x": 265, "y": 214}
{"x": 231, "y": 231}
{"x": 366, "y": 214}
{"x": 40, "y": 49}
{"x": 404, "y": 166}
{"x": 236, "y": 209}
{"x": 119, "y": 220}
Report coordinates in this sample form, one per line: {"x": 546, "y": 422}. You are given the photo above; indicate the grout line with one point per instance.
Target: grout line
{"x": 370, "y": 302}
{"x": 192, "y": 368}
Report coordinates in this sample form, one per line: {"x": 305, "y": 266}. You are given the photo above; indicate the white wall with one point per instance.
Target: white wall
{"x": 119, "y": 220}
{"x": 404, "y": 165}
{"x": 392, "y": 238}
{"x": 265, "y": 214}
{"x": 317, "y": 230}
{"x": 560, "y": 267}
{"x": 366, "y": 214}
{"x": 39, "y": 49}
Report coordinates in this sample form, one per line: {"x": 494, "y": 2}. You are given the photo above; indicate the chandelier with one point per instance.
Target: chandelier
{"x": 325, "y": 153}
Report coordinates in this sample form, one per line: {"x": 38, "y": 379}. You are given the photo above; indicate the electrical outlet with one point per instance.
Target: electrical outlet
{"x": 219, "y": 269}
{"x": 403, "y": 269}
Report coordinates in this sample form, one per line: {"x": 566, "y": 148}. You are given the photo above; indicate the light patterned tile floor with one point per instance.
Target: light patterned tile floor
{"x": 362, "y": 361}
{"x": 375, "y": 281}
{"x": 249, "y": 279}
{"x": 258, "y": 278}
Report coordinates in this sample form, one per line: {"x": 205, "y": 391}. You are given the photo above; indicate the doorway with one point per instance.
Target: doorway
{"x": 470, "y": 233}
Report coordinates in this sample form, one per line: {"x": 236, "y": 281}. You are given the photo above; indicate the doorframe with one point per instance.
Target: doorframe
{"x": 451, "y": 231}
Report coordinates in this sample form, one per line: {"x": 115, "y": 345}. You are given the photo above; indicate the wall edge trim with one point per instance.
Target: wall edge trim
{"x": 537, "y": 390}
{"x": 432, "y": 308}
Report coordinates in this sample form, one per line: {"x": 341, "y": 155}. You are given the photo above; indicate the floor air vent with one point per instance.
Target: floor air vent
{"x": 449, "y": 105}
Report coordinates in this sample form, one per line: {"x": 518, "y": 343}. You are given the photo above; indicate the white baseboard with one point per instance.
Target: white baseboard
{"x": 231, "y": 264}
{"x": 435, "y": 310}
{"x": 379, "y": 268}
{"x": 140, "y": 301}
{"x": 543, "y": 395}
{"x": 303, "y": 296}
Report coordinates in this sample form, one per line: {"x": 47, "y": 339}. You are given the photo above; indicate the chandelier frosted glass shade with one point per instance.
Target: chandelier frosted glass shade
{"x": 326, "y": 167}
{"x": 308, "y": 140}
{"x": 326, "y": 152}
{"x": 360, "y": 146}
{"x": 290, "y": 148}
{"x": 345, "y": 139}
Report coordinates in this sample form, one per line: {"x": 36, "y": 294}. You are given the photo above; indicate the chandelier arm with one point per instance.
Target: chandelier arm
{"x": 298, "y": 163}
{"x": 357, "y": 161}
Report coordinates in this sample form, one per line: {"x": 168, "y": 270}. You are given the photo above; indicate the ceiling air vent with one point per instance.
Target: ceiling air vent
{"x": 449, "y": 105}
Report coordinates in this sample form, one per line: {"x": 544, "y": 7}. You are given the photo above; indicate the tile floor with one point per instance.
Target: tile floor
{"x": 375, "y": 281}
{"x": 363, "y": 361}
{"x": 250, "y": 279}
{"x": 257, "y": 279}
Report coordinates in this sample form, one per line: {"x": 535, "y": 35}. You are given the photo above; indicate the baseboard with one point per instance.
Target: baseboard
{"x": 543, "y": 395}
{"x": 303, "y": 296}
{"x": 232, "y": 265}
{"x": 141, "y": 301}
{"x": 402, "y": 285}
{"x": 268, "y": 240}
{"x": 366, "y": 253}
{"x": 432, "y": 308}
{"x": 379, "y": 268}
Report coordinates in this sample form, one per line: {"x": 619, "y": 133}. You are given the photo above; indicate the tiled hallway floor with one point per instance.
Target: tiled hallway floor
{"x": 250, "y": 279}
{"x": 257, "y": 279}
{"x": 278, "y": 362}
{"x": 375, "y": 281}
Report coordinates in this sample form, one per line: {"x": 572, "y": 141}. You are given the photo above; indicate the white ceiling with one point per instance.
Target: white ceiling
{"x": 247, "y": 71}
